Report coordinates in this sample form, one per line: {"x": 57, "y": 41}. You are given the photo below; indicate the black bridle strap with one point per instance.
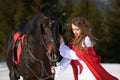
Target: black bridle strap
{"x": 47, "y": 53}
{"x": 45, "y": 45}
{"x": 52, "y": 60}
{"x": 50, "y": 76}
{"x": 41, "y": 62}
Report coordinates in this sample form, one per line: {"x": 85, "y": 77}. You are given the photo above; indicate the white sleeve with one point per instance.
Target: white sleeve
{"x": 88, "y": 42}
{"x": 61, "y": 67}
{"x": 66, "y": 52}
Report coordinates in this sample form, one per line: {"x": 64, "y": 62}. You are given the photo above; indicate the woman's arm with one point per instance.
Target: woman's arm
{"x": 66, "y": 52}
{"x": 61, "y": 67}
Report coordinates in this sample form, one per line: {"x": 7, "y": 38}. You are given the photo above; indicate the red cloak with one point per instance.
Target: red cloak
{"x": 93, "y": 63}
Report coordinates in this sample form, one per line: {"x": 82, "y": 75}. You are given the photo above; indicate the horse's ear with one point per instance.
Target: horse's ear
{"x": 55, "y": 9}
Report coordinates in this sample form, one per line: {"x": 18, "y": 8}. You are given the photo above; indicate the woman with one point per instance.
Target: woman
{"x": 81, "y": 54}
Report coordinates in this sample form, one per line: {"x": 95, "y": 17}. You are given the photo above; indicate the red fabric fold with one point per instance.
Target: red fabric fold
{"x": 74, "y": 64}
{"x": 93, "y": 63}
{"x": 19, "y": 48}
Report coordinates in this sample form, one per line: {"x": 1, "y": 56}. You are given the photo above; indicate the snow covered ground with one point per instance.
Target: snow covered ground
{"x": 113, "y": 69}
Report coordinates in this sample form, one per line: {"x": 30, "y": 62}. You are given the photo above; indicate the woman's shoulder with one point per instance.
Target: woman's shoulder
{"x": 88, "y": 42}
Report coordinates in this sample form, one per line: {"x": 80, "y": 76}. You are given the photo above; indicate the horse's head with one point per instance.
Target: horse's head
{"x": 50, "y": 28}
{"x": 47, "y": 28}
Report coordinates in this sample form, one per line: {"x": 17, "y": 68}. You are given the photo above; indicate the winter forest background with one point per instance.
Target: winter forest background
{"x": 103, "y": 15}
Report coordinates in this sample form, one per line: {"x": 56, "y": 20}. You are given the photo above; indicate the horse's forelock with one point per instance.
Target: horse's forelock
{"x": 48, "y": 10}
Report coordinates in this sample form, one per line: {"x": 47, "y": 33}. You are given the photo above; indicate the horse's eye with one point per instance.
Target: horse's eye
{"x": 51, "y": 22}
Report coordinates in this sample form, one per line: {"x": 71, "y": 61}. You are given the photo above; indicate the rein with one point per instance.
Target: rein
{"x": 41, "y": 61}
{"x": 43, "y": 69}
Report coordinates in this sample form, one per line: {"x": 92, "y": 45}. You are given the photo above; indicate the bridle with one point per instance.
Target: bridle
{"x": 41, "y": 61}
{"x": 44, "y": 42}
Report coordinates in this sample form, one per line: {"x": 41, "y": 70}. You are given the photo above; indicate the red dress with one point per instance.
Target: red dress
{"x": 93, "y": 63}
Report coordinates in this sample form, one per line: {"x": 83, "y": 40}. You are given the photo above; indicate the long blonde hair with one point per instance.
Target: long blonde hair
{"x": 84, "y": 26}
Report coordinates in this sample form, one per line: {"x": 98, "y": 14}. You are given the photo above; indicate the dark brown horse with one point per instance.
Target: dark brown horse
{"x": 33, "y": 48}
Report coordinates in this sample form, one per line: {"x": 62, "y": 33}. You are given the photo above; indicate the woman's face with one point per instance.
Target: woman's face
{"x": 76, "y": 31}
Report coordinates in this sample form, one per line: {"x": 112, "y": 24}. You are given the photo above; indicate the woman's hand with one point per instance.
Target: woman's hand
{"x": 53, "y": 69}
{"x": 61, "y": 40}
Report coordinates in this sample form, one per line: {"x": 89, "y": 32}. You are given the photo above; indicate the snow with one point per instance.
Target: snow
{"x": 112, "y": 68}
